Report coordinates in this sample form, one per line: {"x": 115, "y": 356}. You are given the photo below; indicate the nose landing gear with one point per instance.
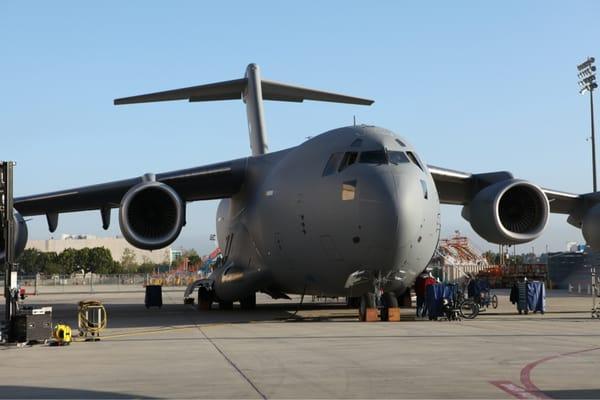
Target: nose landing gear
{"x": 379, "y": 303}
{"x": 367, "y": 311}
{"x": 389, "y": 307}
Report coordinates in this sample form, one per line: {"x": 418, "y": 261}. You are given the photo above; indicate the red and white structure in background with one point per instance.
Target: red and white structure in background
{"x": 455, "y": 257}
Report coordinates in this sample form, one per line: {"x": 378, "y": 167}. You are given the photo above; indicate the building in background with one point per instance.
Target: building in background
{"x": 572, "y": 268}
{"x": 116, "y": 246}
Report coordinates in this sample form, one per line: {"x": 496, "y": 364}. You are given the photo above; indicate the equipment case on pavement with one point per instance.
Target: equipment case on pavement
{"x": 153, "y": 296}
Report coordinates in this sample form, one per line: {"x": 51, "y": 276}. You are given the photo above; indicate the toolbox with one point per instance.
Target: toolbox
{"x": 153, "y": 296}
{"x": 32, "y": 325}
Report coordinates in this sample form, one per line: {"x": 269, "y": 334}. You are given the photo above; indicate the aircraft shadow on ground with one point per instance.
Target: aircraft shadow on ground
{"x": 33, "y": 392}
{"x": 122, "y": 316}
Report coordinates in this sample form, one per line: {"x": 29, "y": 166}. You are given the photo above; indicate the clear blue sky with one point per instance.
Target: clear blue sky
{"x": 475, "y": 86}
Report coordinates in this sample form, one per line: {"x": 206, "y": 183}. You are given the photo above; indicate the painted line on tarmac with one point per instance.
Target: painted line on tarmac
{"x": 529, "y": 390}
{"x": 229, "y": 360}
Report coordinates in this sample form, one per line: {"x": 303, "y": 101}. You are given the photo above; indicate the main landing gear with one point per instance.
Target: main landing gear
{"x": 206, "y": 300}
{"x": 373, "y": 309}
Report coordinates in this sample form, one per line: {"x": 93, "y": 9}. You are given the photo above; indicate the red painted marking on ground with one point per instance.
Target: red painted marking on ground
{"x": 529, "y": 390}
{"x": 514, "y": 390}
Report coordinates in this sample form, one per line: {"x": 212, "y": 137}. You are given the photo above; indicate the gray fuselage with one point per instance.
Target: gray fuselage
{"x": 351, "y": 199}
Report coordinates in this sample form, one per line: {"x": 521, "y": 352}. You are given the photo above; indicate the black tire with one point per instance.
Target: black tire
{"x": 388, "y": 300}
{"x": 353, "y": 302}
{"x": 494, "y": 301}
{"x": 205, "y": 299}
{"x": 249, "y": 303}
{"x": 226, "y": 305}
{"x": 367, "y": 300}
{"x": 468, "y": 309}
{"x": 405, "y": 299}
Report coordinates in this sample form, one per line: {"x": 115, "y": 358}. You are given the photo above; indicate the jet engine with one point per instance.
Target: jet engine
{"x": 508, "y": 212}
{"x": 151, "y": 215}
{"x": 20, "y": 237}
{"x": 590, "y": 227}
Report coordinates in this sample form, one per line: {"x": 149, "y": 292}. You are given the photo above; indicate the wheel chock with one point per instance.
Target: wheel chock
{"x": 370, "y": 315}
{"x": 393, "y": 314}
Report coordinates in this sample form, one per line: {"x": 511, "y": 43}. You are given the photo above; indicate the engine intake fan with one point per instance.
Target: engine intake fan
{"x": 508, "y": 212}
{"x": 151, "y": 215}
{"x": 20, "y": 237}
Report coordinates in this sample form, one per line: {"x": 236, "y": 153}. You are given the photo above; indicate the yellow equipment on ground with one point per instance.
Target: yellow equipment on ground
{"x": 62, "y": 335}
{"x": 91, "y": 318}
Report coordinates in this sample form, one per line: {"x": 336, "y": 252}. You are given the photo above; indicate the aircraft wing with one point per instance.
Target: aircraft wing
{"x": 208, "y": 182}
{"x": 456, "y": 187}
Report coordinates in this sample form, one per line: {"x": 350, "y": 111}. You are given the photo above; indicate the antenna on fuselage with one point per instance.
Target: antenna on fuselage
{"x": 252, "y": 89}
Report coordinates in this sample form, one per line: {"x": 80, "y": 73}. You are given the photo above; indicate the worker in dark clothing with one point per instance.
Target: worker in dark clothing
{"x": 421, "y": 284}
{"x": 420, "y": 292}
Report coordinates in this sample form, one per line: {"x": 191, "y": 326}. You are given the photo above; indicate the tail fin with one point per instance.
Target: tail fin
{"x": 252, "y": 90}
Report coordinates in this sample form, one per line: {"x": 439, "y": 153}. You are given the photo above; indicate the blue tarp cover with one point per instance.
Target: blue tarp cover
{"x": 536, "y": 296}
{"x": 435, "y": 294}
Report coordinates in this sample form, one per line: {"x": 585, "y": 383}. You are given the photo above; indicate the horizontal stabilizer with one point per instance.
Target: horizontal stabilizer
{"x": 252, "y": 90}
{"x": 228, "y": 90}
{"x": 280, "y": 91}
{"x": 233, "y": 90}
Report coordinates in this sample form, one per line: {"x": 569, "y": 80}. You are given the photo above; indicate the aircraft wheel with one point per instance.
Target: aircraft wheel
{"x": 249, "y": 303}
{"x": 353, "y": 302}
{"x": 226, "y": 305}
{"x": 404, "y": 299}
{"x": 367, "y": 300}
{"x": 205, "y": 299}
{"x": 388, "y": 300}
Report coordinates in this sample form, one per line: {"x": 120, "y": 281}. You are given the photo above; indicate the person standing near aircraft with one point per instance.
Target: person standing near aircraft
{"x": 420, "y": 292}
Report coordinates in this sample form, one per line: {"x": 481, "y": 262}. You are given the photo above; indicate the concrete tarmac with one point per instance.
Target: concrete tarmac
{"x": 322, "y": 352}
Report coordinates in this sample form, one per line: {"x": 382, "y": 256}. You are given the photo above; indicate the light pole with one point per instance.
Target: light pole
{"x": 587, "y": 81}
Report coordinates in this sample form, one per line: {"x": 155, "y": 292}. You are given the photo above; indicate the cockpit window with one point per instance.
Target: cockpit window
{"x": 397, "y": 157}
{"x": 332, "y": 163}
{"x": 414, "y": 159}
{"x": 373, "y": 157}
{"x": 356, "y": 143}
{"x": 348, "y": 160}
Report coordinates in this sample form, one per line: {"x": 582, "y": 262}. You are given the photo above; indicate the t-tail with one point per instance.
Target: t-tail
{"x": 252, "y": 90}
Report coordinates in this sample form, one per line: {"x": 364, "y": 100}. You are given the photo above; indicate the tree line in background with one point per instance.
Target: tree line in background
{"x": 97, "y": 260}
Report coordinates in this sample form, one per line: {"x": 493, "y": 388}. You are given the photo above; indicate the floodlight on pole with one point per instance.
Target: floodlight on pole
{"x": 587, "y": 82}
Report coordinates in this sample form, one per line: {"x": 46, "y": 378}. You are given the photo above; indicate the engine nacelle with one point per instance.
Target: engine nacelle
{"x": 590, "y": 227}
{"x": 20, "y": 237}
{"x": 151, "y": 215}
{"x": 508, "y": 212}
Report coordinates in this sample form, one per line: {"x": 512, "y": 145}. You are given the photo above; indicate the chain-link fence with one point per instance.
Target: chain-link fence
{"x": 96, "y": 283}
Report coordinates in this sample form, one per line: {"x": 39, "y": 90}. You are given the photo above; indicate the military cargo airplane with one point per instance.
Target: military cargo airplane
{"x": 352, "y": 212}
